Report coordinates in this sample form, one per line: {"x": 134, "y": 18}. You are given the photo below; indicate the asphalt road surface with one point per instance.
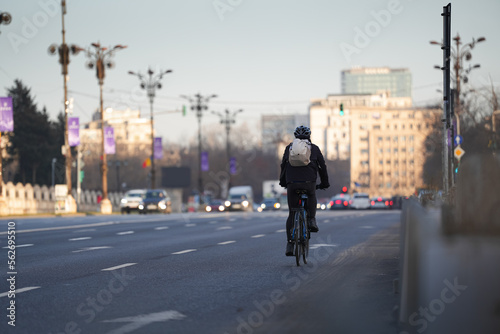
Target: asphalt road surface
{"x": 198, "y": 273}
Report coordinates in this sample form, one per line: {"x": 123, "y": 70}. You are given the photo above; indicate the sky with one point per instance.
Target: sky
{"x": 265, "y": 57}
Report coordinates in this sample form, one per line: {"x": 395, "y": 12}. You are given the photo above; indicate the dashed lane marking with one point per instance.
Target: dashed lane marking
{"x": 86, "y": 249}
{"x": 184, "y": 251}
{"x": 190, "y": 225}
{"x": 19, "y": 246}
{"x": 226, "y": 242}
{"x": 258, "y": 236}
{"x": 5, "y": 294}
{"x": 281, "y": 231}
{"x": 79, "y": 239}
{"x": 161, "y": 228}
{"x": 224, "y": 228}
{"x": 125, "y": 233}
{"x": 119, "y": 267}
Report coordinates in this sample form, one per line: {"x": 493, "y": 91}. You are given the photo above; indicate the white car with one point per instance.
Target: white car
{"x": 360, "y": 201}
{"x": 130, "y": 202}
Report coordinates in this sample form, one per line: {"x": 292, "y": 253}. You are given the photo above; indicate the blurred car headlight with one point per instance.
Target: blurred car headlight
{"x": 277, "y": 205}
{"x": 263, "y": 206}
{"x": 124, "y": 201}
{"x": 162, "y": 205}
{"x": 208, "y": 208}
{"x": 221, "y": 208}
{"x": 227, "y": 203}
{"x": 141, "y": 206}
{"x": 244, "y": 203}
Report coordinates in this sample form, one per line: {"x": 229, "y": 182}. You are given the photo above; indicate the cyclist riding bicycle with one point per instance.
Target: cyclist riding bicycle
{"x": 295, "y": 178}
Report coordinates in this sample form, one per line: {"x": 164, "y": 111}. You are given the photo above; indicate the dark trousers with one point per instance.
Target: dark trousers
{"x": 293, "y": 202}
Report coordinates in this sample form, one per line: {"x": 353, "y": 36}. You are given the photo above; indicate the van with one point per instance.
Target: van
{"x": 240, "y": 198}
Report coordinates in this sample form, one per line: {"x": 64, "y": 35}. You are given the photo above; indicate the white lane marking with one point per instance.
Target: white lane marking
{"x": 213, "y": 222}
{"x": 232, "y": 219}
{"x": 258, "y": 236}
{"x": 224, "y": 228}
{"x": 78, "y": 239}
{"x": 281, "y": 231}
{"x": 125, "y": 233}
{"x": 366, "y": 226}
{"x": 90, "y": 249}
{"x": 190, "y": 225}
{"x": 314, "y": 246}
{"x": 184, "y": 251}
{"x": 19, "y": 246}
{"x": 85, "y": 230}
{"x": 119, "y": 267}
{"x": 5, "y": 294}
{"x": 161, "y": 228}
{"x": 61, "y": 227}
{"x": 226, "y": 242}
{"x": 144, "y": 320}
{"x": 326, "y": 221}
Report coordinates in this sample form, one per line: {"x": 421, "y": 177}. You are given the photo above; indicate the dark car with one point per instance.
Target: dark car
{"x": 155, "y": 200}
{"x": 270, "y": 204}
{"x": 215, "y": 205}
{"x": 340, "y": 202}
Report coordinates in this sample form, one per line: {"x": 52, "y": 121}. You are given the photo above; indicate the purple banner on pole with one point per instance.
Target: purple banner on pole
{"x": 232, "y": 166}
{"x": 6, "y": 114}
{"x": 109, "y": 140}
{"x": 204, "y": 161}
{"x": 73, "y": 131}
{"x": 158, "y": 148}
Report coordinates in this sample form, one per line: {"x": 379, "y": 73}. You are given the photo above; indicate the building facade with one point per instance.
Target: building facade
{"x": 383, "y": 137}
{"x": 372, "y": 80}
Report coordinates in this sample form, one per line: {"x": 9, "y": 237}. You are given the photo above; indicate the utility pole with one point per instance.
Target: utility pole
{"x": 228, "y": 119}
{"x": 199, "y": 103}
{"x": 99, "y": 58}
{"x": 64, "y": 50}
{"x": 150, "y": 84}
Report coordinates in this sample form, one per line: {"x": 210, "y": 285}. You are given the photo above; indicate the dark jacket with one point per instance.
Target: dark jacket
{"x": 309, "y": 173}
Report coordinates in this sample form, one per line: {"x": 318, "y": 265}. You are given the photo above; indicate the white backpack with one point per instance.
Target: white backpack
{"x": 300, "y": 152}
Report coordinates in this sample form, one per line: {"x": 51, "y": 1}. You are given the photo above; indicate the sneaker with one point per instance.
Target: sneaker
{"x": 289, "y": 249}
{"x": 313, "y": 227}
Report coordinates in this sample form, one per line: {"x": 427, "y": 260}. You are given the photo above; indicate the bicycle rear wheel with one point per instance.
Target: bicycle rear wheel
{"x": 305, "y": 238}
{"x": 297, "y": 238}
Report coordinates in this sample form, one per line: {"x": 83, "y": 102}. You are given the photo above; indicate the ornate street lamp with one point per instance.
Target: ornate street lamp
{"x": 100, "y": 59}
{"x": 150, "y": 84}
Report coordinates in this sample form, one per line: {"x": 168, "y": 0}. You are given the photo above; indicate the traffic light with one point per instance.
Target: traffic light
{"x": 183, "y": 110}
{"x": 344, "y": 189}
{"x": 341, "y": 113}
{"x": 82, "y": 175}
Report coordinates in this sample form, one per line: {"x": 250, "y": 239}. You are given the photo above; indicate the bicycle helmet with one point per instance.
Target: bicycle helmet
{"x": 302, "y": 132}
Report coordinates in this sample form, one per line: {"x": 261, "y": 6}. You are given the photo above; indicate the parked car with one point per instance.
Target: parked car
{"x": 360, "y": 201}
{"x": 131, "y": 200}
{"x": 155, "y": 200}
{"x": 215, "y": 205}
{"x": 270, "y": 204}
{"x": 340, "y": 202}
{"x": 380, "y": 203}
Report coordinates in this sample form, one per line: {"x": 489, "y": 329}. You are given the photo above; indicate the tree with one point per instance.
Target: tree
{"x": 31, "y": 142}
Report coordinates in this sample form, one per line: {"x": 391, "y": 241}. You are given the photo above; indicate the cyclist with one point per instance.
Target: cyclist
{"x": 303, "y": 177}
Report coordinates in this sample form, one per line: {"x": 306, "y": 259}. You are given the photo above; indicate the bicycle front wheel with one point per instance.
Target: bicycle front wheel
{"x": 305, "y": 237}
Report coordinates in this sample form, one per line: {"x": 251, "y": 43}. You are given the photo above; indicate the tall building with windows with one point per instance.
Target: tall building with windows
{"x": 382, "y": 137}
{"x": 372, "y": 80}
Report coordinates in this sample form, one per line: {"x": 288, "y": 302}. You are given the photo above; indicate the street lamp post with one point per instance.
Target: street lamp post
{"x": 150, "y": 84}
{"x": 99, "y": 58}
{"x": 199, "y": 104}
{"x": 64, "y": 50}
{"x": 228, "y": 119}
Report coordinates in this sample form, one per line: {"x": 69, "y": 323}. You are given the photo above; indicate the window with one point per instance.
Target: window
{"x": 381, "y": 162}
{"x": 380, "y": 139}
{"x": 396, "y": 150}
{"x": 388, "y": 185}
{"x": 363, "y": 127}
{"x": 364, "y": 151}
{"x": 380, "y": 150}
{"x": 395, "y": 139}
{"x": 376, "y": 127}
{"x": 363, "y": 139}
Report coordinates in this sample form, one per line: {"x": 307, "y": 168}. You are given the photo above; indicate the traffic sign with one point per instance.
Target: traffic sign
{"x": 459, "y": 152}
{"x": 458, "y": 139}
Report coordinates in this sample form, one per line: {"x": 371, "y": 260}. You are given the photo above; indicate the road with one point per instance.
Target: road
{"x": 200, "y": 273}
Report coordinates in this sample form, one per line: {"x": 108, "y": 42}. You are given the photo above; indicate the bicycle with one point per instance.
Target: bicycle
{"x": 300, "y": 231}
